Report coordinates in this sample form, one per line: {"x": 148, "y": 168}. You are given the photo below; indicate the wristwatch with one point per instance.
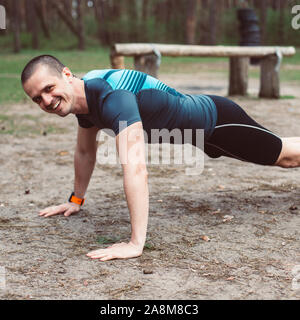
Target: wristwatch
{"x": 77, "y": 200}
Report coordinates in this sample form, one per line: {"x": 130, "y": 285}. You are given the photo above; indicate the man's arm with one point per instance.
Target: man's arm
{"x": 84, "y": 163}
{"x": 84, "y": 159}
{"x": 131, "y": 148}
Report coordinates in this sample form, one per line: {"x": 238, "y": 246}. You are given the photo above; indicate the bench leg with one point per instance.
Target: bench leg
{"x": 116, "y": 61}
{"x": 269, "y": 78}
{"x": 147, "y": 63}
{"x": 238, "y": 76}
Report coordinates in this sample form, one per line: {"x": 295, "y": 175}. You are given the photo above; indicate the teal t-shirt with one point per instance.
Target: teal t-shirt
{"x": 127, "y": 96}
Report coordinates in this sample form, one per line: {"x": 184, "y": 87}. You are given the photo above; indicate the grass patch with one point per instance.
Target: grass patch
{"x": 96, "y": 57}
{"x": 106, "y": 240}
{"x": 287, "y": 97}
{"x": 149, "y": 246}
{"x": 25, "y": 125}
{"x": 11, "y": 90}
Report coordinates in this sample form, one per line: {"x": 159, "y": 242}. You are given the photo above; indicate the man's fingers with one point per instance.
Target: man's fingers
{"x": 102, "y": 256}
{"x": 108, "y": 257}
{"x": 96, "y": 254}
{"x": 50, "y": 211}
{"x": 68, "y": 212}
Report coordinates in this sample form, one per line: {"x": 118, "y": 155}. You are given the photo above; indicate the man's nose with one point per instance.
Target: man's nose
{"x": 47, "y": 100}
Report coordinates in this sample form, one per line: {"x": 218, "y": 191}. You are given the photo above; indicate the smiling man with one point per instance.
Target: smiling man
{"x": 104, "y": 99}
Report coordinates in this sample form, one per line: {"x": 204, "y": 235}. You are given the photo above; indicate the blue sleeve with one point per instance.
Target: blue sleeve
{"x": 120, "y": 105}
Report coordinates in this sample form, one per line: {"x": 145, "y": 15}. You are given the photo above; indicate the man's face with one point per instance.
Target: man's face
{"x": 52, "y": 93}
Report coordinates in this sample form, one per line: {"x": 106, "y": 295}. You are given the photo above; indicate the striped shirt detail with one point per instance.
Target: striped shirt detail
{"x": 130, "y": 80}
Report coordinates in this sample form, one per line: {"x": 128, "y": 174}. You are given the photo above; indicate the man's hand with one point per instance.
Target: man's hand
{"x": 66, "y": 208}
{"x": 121, "y": 250}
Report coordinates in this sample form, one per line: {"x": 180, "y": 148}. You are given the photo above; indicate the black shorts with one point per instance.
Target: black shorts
{"x": 237, "y": 135}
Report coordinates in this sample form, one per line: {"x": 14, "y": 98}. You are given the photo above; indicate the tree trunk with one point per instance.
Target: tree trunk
{"x": 27, "y": 16}
{"x": 33, "y": 27}
{"x": 133, "y": 31}
{"x": 213, "y": 22}
{"x": 191, "y": 21}
{"x": 263, "y": 20}
{"x": 145, "y": 7}
{"x": 81, "y": 37}
{"x": 281, "y": 33}
{"x": 77, "y": 31}
{"x": 100, "y": 8}
{"x": 15, "y": 15}
{"x": 40, "y": 7}
{"x": 145, "y": 10}
{"x": 68, "y": 7}
{"x": 115, "y": 14}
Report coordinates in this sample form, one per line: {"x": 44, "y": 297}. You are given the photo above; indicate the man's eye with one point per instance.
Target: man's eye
{"x": 49, "y": 88}
{"x": 37, "y": 100}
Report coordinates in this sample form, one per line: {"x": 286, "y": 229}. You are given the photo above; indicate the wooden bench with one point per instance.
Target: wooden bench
{"x": 147, "y": 59}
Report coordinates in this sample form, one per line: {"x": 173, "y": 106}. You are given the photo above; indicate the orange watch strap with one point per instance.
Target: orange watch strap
{"x": 75, "y": 199}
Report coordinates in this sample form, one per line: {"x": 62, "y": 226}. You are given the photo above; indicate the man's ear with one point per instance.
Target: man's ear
{"x": 67, "y": 72}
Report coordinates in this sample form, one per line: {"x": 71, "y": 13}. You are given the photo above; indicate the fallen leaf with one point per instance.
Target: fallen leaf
{"x": 227, "y": 218}
{"x": 63, "y": 153}
{"x": 205, "y": 238}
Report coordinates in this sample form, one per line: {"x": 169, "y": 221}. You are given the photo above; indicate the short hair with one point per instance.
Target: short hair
{"x": 51, "y": 62}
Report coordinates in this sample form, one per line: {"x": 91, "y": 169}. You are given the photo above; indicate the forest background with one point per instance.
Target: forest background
{"x": 80, "y": 32}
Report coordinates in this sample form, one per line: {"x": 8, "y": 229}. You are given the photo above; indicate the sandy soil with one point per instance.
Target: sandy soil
{"x": 253, "y": 254}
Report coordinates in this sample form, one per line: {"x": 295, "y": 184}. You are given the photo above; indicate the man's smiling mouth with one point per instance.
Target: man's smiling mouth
{"x": 56, "y": 104}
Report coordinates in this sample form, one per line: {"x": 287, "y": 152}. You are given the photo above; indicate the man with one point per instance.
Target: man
{"x": 106, "y": 98}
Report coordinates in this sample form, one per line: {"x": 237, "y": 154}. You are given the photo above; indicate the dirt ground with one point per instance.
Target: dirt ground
{"x": 252, "y": 252}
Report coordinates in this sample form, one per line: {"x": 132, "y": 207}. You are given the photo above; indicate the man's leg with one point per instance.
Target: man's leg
{"x": 239, "y": 136}
{"x": 290, "y": 153}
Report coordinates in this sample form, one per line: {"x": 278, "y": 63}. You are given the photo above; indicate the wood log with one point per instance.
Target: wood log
{"x": 116, "y": 60}
{"x": 269, "y": 78}
{"x": 133, "y": 49}
{"x": 147, "y": 63}
{"x": 238, "y": 76}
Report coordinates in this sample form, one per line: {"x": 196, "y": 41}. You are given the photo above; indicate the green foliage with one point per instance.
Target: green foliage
{"x": 107, "y": 240}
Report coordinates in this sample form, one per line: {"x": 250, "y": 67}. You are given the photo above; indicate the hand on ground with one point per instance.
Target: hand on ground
{"x": 66, "y": 208}
{"x": 121, "y": 250}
